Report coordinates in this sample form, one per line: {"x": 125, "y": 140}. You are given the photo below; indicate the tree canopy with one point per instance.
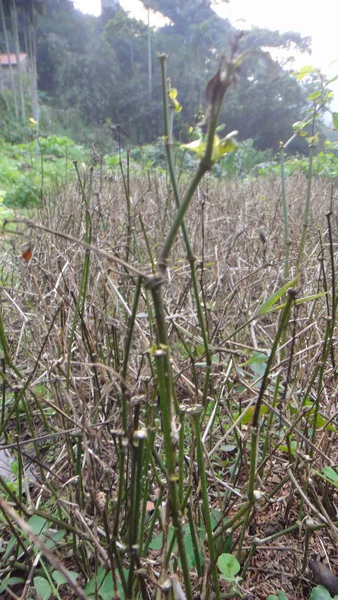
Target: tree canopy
{"x": 106, "y": 67}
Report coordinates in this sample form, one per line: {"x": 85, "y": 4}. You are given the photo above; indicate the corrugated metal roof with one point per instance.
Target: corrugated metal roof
{"x": 4, "y": 59}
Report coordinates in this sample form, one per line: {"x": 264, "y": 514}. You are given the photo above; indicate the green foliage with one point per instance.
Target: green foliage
{"x": 331, "y": 474}
{"x": 13, "y": 129}
{"x": 46, "y": 586}
{"x": 279, "y": 596}
{"x": 26, "y": 170}
{"x": 321, "y": 593}
{"x": 101, "y": 585}
{"x": 325, "y": 164}
{"x": 42, "y": 587}
{"x": 220, "y": 146}
{"x": 156, "y": 544}
{"x": 229, "y": 567}
{"x": 247, "y": 160}
{"x": 8, "y": 581}
{"x": 155, "y": 456}
{"x": 41, "y": 528}
{"x": 104, "y": 68}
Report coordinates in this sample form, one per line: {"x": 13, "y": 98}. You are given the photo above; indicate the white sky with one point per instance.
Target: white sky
{"x": 318, "y": 20}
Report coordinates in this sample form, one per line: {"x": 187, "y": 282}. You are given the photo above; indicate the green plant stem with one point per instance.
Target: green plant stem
{"x": 229, "y": 524}
{"x": 136, "y": 486}
{"x": 306, "y": 212}
{"x": 287, "y": 240}
{"x": 256, "y": 415}
{"x": 333, "y": 289}
{"x": 205, "y": 498}
{"x": 129, "y": 338}
{"x": 195, "y": 541}
{"x": 191, "y": 258}
{"x": 215, "y": 90}
{"x": 166, "y": 402}
{"x": 225, "y": 77}
{"x": 82, "y": 294}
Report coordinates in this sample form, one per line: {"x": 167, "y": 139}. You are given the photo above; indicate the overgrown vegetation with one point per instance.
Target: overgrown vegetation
{"x": 27, "y": 169}
{"x": 168, "y": 376}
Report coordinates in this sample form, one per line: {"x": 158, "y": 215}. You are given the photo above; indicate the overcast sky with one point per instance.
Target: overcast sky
{"x": 318, "y": 20}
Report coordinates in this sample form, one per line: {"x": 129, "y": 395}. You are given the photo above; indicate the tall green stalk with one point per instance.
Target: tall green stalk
{"x": 82, "y": 293}
{"x": 216, "y": 89}
{"x": 205, "y": 500}
{"x": 257, "y": 412}
{"x": 167, "y": 125}
{"x": 307, "y": 211}
{"x": 287, "y": 239}
{"x": 165, "y": 389}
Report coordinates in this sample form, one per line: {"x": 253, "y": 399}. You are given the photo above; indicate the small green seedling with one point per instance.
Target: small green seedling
{"x": 229, "y": 567}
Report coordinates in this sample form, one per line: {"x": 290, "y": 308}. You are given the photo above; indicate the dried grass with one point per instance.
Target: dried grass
{"x": 237, "y": 235}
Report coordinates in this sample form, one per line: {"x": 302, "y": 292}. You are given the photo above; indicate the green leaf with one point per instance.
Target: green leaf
{"x": 198, "y": 146}
{"x": 264, "y": 308}
{"x": 332, "y": 80}
{"x": 215, "y": 517}
{"x": 220, "y": 147}
{"x": 227, "y": 144}
{"x": 299, "y": 301}
{"x": 257, "y": 363}
{"x": 157, "y": 542}
{"x": 330, "y": 474}
{"x": 284, "y": 448}
{"x": 189, "y": 548}
{"x": 227, "y": 544}
{"x": 321, "y": 422}
{"x": 106, "y": 591}
{"x": 38, "y": 525}
{"x": 298, "y": 125}
{"x": 55, "y": 539}
{"x": 11, "y": 544}
{"x": 220, "y": 128}
{"x": 247, "y": 418}
{"x": 335, "y": 120}
{"x": 60, "y": 579}
{"x": 8, "y": 581}
{"x": 280, "y": 596}
{"x": 95, "y": 582}
{"x": 42, "y": 588}
{"x": 304, "y": 71}
{"x": 229, "y": 566}
{"x": 314, "y": 95}
{"x": 172, "y": 93}
{"x": 320, "y": 593}
{"x": 200, "y": 350}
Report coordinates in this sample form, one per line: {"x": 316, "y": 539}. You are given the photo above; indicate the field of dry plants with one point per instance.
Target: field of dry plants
{"x": 129, "y": 478}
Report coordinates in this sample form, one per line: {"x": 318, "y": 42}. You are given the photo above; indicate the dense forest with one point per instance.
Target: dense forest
{"x": 100, "y": 72}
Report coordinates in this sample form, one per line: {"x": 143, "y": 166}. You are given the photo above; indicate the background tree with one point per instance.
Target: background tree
{"x": 267, "y": 99}
{"x": 15, "y": 33}
{"x": 7, "y": 48}
{"x": 101, "y": 68}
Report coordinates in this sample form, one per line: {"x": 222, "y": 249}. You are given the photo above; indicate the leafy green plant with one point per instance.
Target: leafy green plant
{"x": 26, "y": 168}
{"x": 279, "y": 596}
{"x": 102, "y": 585}
{"x": 321, "y": 593}
{"x": 229, "y": 567}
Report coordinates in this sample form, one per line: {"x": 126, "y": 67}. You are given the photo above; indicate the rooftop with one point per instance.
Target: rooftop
{"x": 4, "y": 59}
